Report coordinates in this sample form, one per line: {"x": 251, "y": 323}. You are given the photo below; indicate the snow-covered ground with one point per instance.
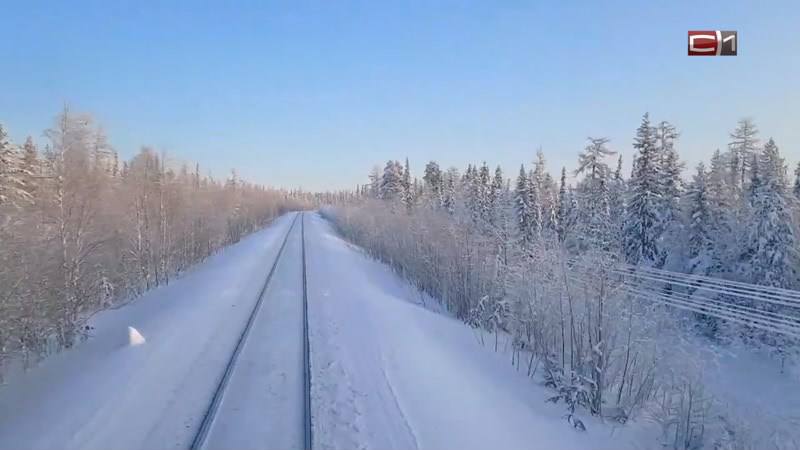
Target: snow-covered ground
{"x": 387, "y": 373}
{"x": 263, "y": 404}
{"x": 106, "y": 395}
{"x": 761, "y": 400}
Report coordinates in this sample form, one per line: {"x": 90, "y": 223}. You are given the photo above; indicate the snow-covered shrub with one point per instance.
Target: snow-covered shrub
{"x": 682, "y": 411}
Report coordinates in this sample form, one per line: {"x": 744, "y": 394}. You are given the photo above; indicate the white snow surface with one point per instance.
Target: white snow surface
{"x": 263, "y": 404}
{"x": 106, "y": 395}
{"x": 388, "y": 373}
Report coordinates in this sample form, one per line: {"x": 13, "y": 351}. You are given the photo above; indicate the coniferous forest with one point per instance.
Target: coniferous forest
{"x": 614, "y": 289}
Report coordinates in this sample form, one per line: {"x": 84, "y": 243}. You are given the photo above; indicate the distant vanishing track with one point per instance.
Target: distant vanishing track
{"x": 202, "y": 433}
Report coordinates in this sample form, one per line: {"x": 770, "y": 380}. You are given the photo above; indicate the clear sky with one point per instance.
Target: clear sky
{"x": 313, "y": 94}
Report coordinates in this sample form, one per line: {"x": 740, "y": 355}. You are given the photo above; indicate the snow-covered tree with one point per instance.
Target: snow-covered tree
{"x": 718, "y": 182}
{"x": 375, "y": 182}
{"x": 12, "y": 176}
{"x": 742, "y": 147}
{"x": 564, "y": 213}
{"x": 546, "y": 193}
{"x": 616, "y": 200}
{"x": 769, "y": 252}
{"x": 433, "y": 184}
{"x": 469, "y": 193}
{"x": 535, "y": 206}
{"x": 797, "y": 181}
{"x": 483, "y": 192}
{"x": 671, "y": 169}
{"x": 724, "y": 210}
{"x": 550, "y": 210}
{"x": 503, "y": 226}
{"x": 391, "y": 186}
{"x": 497, "y": 196}
{"x": 701, "y": 229}
{"x": 540, "y": 172}
{"x": 407, "y": 192}
{"x": 644, "y": 216}
{"x": 31, "y": 166}
{"x": 773, "y": 166}
{"x": 522, "y": 206}
{"x": 595, "y": 226}
{"x": 449, "y": 193}
{"x": 592, "y": 161}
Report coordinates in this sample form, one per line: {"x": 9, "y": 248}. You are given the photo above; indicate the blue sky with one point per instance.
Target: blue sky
{"x": 314, "y": 94}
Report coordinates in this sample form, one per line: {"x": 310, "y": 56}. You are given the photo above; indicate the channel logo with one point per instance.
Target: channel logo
{"x": 713, "y": 43}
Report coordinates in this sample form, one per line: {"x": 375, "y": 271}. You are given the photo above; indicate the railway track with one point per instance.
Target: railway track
{"x": 211, "y": 414}
{"x": 308, "y": 437}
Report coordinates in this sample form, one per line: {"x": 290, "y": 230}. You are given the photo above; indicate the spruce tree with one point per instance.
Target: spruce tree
{"x": 484, "y": 194}
{"x": 503, "y": 219}
{"x": 550, "y": 203}
{"x": 433, "y": 184}
{"x": 600, "y": 232}
{"x": 643, "y": 218}
{"x": 797, "y": 181}
{"x": 540, "y": 172}
{"x": 407, "y": 189}
{"x": 701, "y": 229}
{"x": 616, "y": 200}
{"x": 671, "y": 168}
{"x": 522, "y": 205}
{"x": 547, "y": 193}
{"x": 768, "y": 255}
{"x": 703, "y": 255}
{"x": 534, "y": 207}
{"x": 496, "y": 195}
{"x": 721, "y": 201}
{"x": 449, "y": 193}
{"x": 562, "y": 216}
{"x": 772, "y": 166}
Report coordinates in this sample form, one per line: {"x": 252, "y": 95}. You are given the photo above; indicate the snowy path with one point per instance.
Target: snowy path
{"x": 389, "y": 374}
{"x": 103, "y": 395}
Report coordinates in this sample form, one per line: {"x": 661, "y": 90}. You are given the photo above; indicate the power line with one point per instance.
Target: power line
{"x": 676, "y": 279}
{"x": 715, "y": 310}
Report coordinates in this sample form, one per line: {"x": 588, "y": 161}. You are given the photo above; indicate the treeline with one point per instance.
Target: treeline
{"x": 81, "y": 230}
{"x": 532, "y": 258}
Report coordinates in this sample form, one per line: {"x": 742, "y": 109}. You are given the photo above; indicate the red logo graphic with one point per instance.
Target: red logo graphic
{"x": 712, "y": 43}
